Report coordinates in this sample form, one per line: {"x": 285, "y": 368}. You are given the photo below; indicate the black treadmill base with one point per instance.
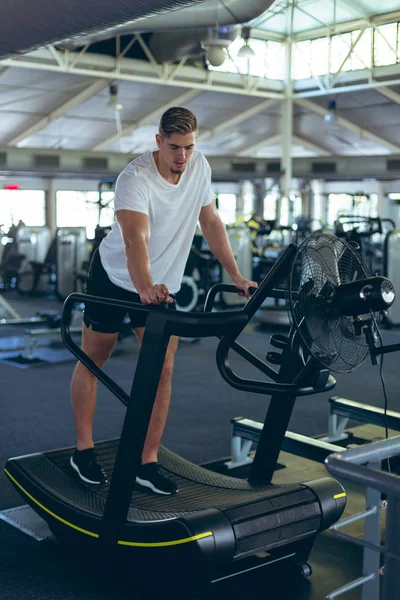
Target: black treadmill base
{"x": 194, "y": 573}
{"x": 214, "y": 520}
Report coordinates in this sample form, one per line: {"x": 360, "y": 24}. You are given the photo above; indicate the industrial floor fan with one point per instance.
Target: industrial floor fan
{"x": 334, "y": 304}
{"x": 334, "y": 307}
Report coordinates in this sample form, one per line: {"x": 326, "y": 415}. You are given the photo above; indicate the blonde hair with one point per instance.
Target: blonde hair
{"x": 177, "y": 120}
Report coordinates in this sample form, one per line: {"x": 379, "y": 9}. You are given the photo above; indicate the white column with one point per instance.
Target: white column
{"x": 240, "y": 200}
{"x": 51, "y": 206}
{"x": 306, "y": 200}
{"x": 287, "y": 132}
{"x": 260, "y": 192}
{"x": 319, "y": 201}
{"x": 383, "y": 211}
{"x": 287, "y": 122}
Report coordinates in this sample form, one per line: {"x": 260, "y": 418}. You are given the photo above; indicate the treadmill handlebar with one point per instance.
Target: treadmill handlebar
{"x": 186, "y": 324}
{"x": 265, "y": 290}
{"x": 281, "y": 294}
{"x": 227, "y": 325}
{"x": 180, "y": 323}
{"x": 219, "y": 288}
{"x": 264, "y": 387}
{"x": 177, "y": 323}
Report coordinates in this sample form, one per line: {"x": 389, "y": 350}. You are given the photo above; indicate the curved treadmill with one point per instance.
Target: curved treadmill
{"x": 222, "y": 519}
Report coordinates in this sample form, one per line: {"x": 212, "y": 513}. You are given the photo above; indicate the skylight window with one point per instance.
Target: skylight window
{"x": 356, "y": 50}
{"x": 268, "y": 60}
{"x": 386, "y": 44}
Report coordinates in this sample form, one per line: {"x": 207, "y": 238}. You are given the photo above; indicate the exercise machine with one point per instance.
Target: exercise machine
{"x": 202, "y": 270}
{"x": 217, "y": 524}
{"x": 10, "y": 258}
{"x": 72, "y": 254}
{"x": 241, "y": 243}
{"x": 269, "y": 242}
{"x": 392, "y": 271}
{"x": 369, "y": 234}
{"x": 56, "y": 270}
{"x": 37, "y": 271}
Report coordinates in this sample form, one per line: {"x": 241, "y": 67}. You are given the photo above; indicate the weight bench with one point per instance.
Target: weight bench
{"x": 32, "y": 337}
{"x": 342, "y": 410}
{"x": 246, "y": 431}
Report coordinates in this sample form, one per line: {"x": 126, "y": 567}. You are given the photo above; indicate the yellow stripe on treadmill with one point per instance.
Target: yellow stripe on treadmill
{"x": 91, "y": 533}
{"x": 170, "y": 543}
{"x": 96, "y": 535}
{"x": 342, "y": 495}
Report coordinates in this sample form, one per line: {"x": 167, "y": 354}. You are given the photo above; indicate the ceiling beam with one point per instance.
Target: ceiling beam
{"x": 346, "y": 26}
{"x": 41, "y": 124}
{"x": 353, "y": 87}
{"x": 239, "y": 118}
{"x": 389, "y": 93}
{"x": 349, "y": 125}
{"x": 261, "y": 34}
{"x": 146, "y": 120}
{"x": 72, "y": 163}
{"x": 312, "y": 146}
{"x": 130, "y": 69}
{"x": 265, "y": 142}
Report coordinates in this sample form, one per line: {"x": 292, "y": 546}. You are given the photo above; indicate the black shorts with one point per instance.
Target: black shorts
{"x": 105, "y": 318}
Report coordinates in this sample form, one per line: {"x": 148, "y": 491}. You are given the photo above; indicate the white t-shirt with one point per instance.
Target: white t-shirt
{"x": 173, "y": 212}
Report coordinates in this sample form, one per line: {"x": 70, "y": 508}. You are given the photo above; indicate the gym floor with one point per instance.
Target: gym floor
{"x": 36, "y": 416}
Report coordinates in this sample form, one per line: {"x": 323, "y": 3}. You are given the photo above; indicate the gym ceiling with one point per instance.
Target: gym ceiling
{"x": 108, "y": 71}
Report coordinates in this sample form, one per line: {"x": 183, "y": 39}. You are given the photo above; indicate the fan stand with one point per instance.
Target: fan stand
{"x": 292, "y": 370}
{"x": 374, "y": 351}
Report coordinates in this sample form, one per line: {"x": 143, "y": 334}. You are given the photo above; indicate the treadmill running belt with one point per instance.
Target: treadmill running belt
{"x": 198, "y": 488}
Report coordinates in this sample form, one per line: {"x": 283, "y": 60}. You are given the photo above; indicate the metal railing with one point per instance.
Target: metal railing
{"x": 363, "y": 466}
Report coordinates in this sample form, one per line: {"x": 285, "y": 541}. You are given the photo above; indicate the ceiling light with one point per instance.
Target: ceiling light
{"x": 216, "y": 51}
{"x": 113, "y": 101}
{"x": 330, "y": 116}
{"x": 246, "y": 51}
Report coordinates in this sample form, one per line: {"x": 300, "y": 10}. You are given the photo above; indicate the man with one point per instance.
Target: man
{"x": 159, "y": 199}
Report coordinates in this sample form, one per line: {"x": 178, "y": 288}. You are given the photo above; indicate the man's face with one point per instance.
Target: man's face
{"x": 176, "y": 150}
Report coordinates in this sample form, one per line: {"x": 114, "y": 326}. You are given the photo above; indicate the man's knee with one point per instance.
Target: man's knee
{"x": 98, "y": 358}
{"x": 98, "y": 346}
{"x": 101, "y": 359}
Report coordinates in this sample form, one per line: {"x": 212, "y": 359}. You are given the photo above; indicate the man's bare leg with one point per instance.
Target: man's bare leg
{"x": 99, "y": 347}
{"x": 161, "y": 403}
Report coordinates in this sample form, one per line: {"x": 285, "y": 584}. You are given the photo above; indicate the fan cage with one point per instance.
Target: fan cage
{"x": 322, "y": 263}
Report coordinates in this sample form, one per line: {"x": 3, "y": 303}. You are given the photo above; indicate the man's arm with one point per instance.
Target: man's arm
{"x": 136, "y": 233}
{"x": 215, "y": 233}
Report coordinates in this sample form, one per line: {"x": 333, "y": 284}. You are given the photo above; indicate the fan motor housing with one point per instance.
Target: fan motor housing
{"x": 360, "y": 297}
